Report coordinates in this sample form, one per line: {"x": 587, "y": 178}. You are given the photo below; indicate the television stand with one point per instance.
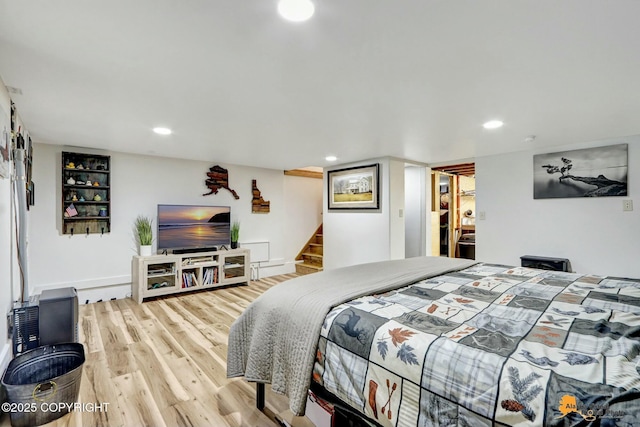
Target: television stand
{"x": 158, "y": 275}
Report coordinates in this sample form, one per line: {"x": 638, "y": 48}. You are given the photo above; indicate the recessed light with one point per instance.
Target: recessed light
{"x": 331, "y": 158}
{"x": 492, "y": 124}
{"x": 163, "y": 131}
{"x": 296, "y": 10}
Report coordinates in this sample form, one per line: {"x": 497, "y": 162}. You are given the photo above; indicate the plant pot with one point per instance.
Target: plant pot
{"x": 145, "y": 250}
{"x": 234, "y": 245}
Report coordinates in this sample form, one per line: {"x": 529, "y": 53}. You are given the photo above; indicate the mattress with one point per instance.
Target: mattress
{"x": 488, "y": 345}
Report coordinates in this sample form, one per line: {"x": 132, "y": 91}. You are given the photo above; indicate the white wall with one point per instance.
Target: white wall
{"x": 303, "y": 204}
{"x": 99, "y": 266}
{"x": 396, "y": 207}
{"x": 356, "y": 237}
{"x": 415, "y": 211}
{"x": 6, "y": 245}
{"x": 593, "y": 233}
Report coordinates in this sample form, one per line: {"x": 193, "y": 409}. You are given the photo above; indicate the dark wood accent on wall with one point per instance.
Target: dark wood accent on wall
{"x": 466, "y": 169}
{"x": 304, "y": 173}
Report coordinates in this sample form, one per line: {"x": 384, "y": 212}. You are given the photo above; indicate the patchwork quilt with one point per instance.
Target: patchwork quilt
{"x": 490, "y": 345}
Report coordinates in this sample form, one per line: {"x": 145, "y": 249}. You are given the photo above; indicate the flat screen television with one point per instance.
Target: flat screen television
{"x": 185, "y": 227}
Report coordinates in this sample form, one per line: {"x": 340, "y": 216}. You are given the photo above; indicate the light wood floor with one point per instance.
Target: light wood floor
{"x": 163, "y": 363}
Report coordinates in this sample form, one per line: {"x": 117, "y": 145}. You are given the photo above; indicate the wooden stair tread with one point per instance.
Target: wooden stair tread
{"x": 312, "y": 254}
{"x": 311, "y": 266}
{"x": 309, "y": 259}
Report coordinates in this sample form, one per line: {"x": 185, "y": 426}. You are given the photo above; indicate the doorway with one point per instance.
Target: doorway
{"x": 453, "y": 211}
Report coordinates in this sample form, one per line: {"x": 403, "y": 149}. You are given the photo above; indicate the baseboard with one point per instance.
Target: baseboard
{"x": 119, "y": 287}
{"x": 274, "y": 270}
{"x": 95, "y": 283}
{"x": 96, "y": 293}
{"x": 104, "y": 293}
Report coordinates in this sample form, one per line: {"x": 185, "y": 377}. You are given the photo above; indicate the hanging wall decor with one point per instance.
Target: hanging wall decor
{"x": 354, "y": 188}
{"x": 258, "y": 204}
{"x": 5, "y": 143}
{"x": 28, "y": 160}
{"x": 218, "y": 177}
{"x": 590, "y": 172}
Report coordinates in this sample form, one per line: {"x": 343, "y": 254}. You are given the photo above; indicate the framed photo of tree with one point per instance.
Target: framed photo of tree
{"x": 590, "y": 172}
{"x": 354, "y": 188}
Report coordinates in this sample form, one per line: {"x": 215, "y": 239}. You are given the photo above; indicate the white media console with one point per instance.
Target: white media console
{"x": 158, "y": 275}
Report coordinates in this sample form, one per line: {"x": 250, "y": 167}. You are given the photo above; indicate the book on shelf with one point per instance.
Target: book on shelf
{"x": 189, "y": 279}
{"x": 210, "y": 276}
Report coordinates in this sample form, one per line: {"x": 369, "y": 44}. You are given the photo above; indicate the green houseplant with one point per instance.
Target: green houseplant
{"x": 144, "y": 234}
{"x": 235, "y": 233}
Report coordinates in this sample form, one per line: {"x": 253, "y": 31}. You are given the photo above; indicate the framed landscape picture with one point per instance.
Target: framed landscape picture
{"x": 354, "y": 188}
{"x": 590, "y": 172}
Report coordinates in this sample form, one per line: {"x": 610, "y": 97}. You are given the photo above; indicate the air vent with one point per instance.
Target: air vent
{"x": 26, "y": 331}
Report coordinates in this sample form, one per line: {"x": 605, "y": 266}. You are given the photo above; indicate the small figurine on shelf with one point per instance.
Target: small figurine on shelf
{"x": 81, "y": 199}
{"x": 80, "y": 166}
{"x": 89, "y": 183}
{"x": 70, "y": 211}
{"x": 97, "y": 198}
{"x": 71, "y": 181}
{"x": 74, "y": 198}
{"x": 96, "y": 184}
{"x": 70, "y": 165}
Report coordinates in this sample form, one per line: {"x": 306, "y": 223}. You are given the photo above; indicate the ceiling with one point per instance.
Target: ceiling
{"x": 413, "y": 79}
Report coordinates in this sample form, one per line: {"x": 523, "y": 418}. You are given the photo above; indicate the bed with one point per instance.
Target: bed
{"x": 438, "y": 341}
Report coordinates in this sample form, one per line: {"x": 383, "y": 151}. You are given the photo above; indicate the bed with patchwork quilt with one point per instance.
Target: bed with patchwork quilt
{"x": 488, "y": 345}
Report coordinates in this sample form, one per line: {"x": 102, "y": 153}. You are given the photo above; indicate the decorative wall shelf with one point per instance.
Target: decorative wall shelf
{"x": 86, "y": 193}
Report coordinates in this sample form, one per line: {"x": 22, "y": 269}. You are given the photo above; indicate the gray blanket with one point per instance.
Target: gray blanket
{"x": 274, "y": 340}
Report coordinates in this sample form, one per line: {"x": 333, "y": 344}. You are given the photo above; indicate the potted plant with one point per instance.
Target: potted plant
{"x": 235, "y": 233}
{"x": 144, "y": 234}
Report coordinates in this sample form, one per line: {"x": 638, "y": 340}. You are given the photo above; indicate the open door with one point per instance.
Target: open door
{"x": 453, "y": 211}
{"x": 443, "y": 214}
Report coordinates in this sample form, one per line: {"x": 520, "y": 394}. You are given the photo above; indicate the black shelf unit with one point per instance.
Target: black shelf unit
{"x": 86, "y": 184}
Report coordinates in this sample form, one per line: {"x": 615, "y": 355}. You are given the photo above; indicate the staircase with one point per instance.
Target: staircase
{"x": 311, "y": 255}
